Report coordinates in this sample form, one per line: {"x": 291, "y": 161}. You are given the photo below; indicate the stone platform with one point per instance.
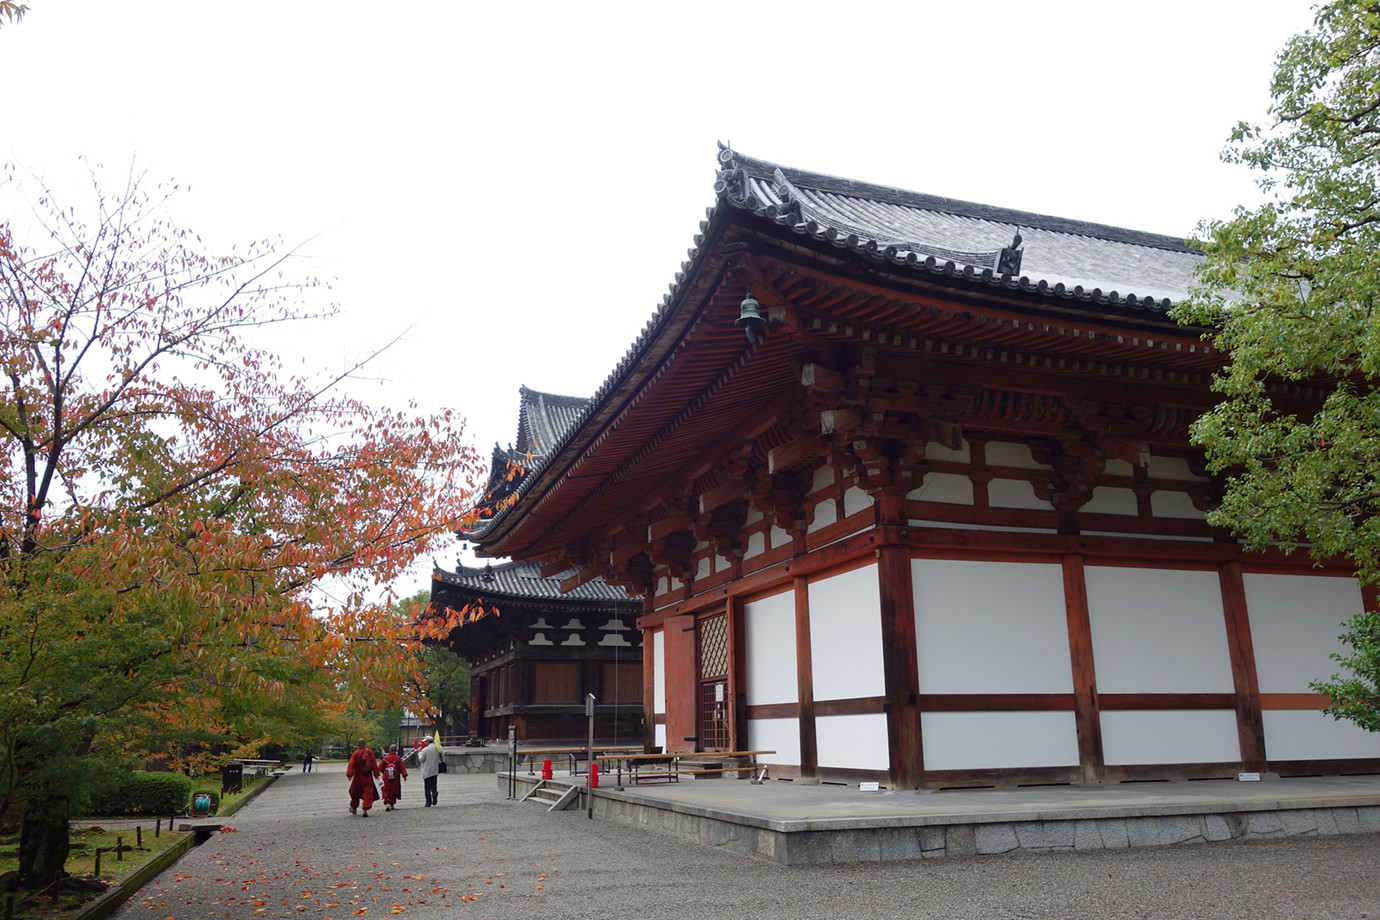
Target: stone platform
{"x": 793, "y": 823}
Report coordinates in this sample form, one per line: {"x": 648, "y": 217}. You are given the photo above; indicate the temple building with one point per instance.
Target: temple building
{"x": 535, "y": 650}
{"x": 906, "y": 488}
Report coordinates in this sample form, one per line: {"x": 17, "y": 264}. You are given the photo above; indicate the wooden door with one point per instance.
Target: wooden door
{"x": 715, "y": 710}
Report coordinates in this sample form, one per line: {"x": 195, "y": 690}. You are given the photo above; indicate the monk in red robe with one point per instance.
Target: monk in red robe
{"x": 361, "y": 769}
{"x": 393, "y": 773}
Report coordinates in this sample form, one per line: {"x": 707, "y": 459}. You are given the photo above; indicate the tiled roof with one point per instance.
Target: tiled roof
{"x": 1076, "y": 260}
{"x": 543, "y": 419}
{"x": 1107, "y": 271}
{"x": 522, "y": 580}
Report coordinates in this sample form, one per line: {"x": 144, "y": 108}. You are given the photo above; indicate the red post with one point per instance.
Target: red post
{"x": 593, "y": 775}
{"x": 546, "y": 769}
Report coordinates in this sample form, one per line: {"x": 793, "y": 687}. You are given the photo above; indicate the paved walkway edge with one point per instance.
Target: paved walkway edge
{"x": 877, "y": 839}
{"x": 111, "y": 901}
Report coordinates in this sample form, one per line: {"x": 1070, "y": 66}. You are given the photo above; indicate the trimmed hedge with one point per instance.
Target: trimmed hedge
{"x": 142, "y": 793}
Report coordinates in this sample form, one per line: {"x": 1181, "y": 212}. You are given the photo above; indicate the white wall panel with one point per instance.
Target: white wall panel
{"x": 852, "y": 742}
{"x": 947, "y": 488}
{"x": 826, "y": 513}
{"x": 779, "y": 735}
{"x": 1166, "y": 504}
{"x": 936, "y": 451}
{"x": 1011, "y": 453}
{"x": 846, "y": 635}
{"x": 1174, "y": 468}
{"x": 660, "y": 736}
{"x": 769, "y": 627}
{"x": 1015, "y": 493}
{"x": 992, "y": 740}
{"x": 1301, "y": 734}
{"x": 1295, "y": 622}
{"x": 855, "y": 500}
{"x": 1158, "y": 631}
{"x": 991, "y": 627}
{"x": 1107, "y": 500}
{"x": 1160, "y": 736}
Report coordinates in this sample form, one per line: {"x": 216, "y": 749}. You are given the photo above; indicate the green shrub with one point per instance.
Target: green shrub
{"x": 140, "y": 793}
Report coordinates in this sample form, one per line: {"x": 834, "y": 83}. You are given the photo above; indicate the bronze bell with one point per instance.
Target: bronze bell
{"x": 749, "y": 316}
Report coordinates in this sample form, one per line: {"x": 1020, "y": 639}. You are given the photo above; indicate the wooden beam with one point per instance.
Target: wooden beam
{"x": 1087, "y": 720}
{"x": 900, "y": 667}
{"x": 819, "y": 379}
{"x": 1250, "y": 724}
{"x": 796, "y": 453}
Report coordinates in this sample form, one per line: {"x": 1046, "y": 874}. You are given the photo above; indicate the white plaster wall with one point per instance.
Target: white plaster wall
{"x": 937, "y": 451}
{"x": 659, "y": 672}
{"x": 1010, "y": 453}
{"x": 991, "y": 740}
{"x": 769, "y": 627}
{"x": 826, "y": 513}
{"x": 1163, "y": 736}
{"x": 1295, "y": 622}
{"x": 852, "y": 742}
{"x": 948, "y": 488}
{"x": 1015, "y": 493}
{"x": 1301, "y": 734}
{"x": 1108, "y": 500}
{"x": 1158, "y": 631}
{"x": 846, "y": 636}
{"x": 779, "y": 735}
{"x": 990, "y": 627}
{"x": 779, "y": 537}
{"x": 1172, "y": 468}
{"x": 855, "y": 500}
{"x": 1116, "y": 467}
{"x": 1174, "y": 505}
{"x": 703, "y": 568}
{"x": 660, "y": 736}
{"x": 756, "y": 545}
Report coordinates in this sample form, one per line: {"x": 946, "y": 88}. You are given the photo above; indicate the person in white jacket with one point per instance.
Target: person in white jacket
{"x": 429, "y": 758}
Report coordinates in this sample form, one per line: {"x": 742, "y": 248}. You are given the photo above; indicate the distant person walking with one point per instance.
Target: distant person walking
{"x": 430, "y": 759}
{"x": 307, "y": 759}
{"x": 361, "y": 770}
{"x": 393, "y": 773}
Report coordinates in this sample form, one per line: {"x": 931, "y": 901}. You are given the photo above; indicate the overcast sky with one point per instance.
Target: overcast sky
{"x": 514, "y": 185}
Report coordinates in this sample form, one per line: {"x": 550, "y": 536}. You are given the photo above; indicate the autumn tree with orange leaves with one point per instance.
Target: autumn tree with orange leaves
{"x": 170, "y": 499}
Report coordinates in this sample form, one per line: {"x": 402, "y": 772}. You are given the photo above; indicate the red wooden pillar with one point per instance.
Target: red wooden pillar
{"x": 682, "y": 685}
{"x": 900, "y": 662}
{"x": 805, "y": 679}
{"x": 1250, "y": 724}
{"x": 738, "y": 739}
{"x": 1086, "y": 715}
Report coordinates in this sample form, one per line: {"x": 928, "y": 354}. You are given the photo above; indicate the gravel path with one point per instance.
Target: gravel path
{"x": 296, "y": 852}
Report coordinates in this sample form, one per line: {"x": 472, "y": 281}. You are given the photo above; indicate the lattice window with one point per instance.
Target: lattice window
{"x": 713, "y": 647}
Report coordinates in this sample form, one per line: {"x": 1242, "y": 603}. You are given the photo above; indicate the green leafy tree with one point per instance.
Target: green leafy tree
{"x": 1291, "y": 290}
{"x": 169, "y": 501}
{"x": 448, "y": 684}
{"x": 444, "y": 677}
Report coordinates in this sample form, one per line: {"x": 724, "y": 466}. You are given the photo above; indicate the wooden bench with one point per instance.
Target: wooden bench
{"x": 572, "y": 756}
{"x": 260, "y": 767}
{"x": 671, "y": 767}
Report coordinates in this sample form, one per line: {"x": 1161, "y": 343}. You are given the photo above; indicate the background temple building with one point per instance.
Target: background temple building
{"x": 536, "y": 651}
{"x": 906, "y": 487}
